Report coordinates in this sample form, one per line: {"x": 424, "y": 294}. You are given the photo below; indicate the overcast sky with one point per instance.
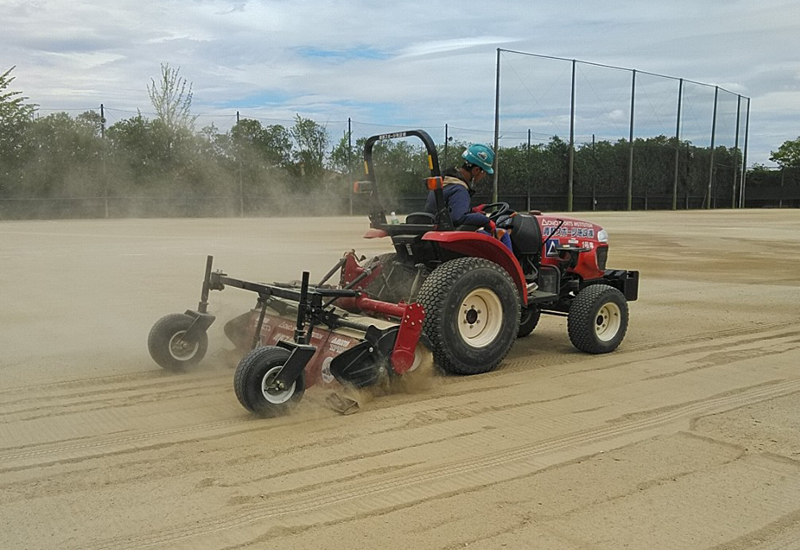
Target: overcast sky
{"x": 390, "y": 65}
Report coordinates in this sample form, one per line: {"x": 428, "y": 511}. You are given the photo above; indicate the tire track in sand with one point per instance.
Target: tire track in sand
{"x": 76, "y": 447}
{"x": 406, "y": 488}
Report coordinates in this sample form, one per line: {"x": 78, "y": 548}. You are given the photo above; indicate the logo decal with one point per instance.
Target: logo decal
{"x": 327, "y": 376}
{"x": 550, "y": 247}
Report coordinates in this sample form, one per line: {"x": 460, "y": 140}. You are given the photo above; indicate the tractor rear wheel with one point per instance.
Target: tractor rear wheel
{"x": 254, "y": 382}
{"x": 170, "y": 349}
{"x": 395, "y": 282}
{"x": 471, "y": 314}
{"x": 598, "y": 319}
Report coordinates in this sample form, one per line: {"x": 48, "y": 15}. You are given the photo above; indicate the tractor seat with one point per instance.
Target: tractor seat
{"x": 415, "y": 224}
{"x": 421, "y": 218}
{"x": 526, "y": 234}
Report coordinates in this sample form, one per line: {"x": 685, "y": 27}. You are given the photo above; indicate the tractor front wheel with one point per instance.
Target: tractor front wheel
{"x": 254, "y": 383}
{"x": 528, "y": 320}
{"x": 598, "y": 319}
{"x": 170, "y": 348}
{"x": 471, "y": 314}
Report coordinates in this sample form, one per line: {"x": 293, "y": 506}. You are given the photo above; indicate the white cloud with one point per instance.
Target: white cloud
{"x": 424, "y": 64}
{"x": 451, "y": 45}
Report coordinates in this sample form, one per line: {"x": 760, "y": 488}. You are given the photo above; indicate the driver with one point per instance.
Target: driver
{"x": 457, "y": 185}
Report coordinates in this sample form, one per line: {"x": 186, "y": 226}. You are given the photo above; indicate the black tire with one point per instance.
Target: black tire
{"x": 528, "y": 320}
{"x": 251, "y": 383}
{"x": 598, "y": 319}
{"x": 169, "y": 349}
{"x": 458, "y": 296}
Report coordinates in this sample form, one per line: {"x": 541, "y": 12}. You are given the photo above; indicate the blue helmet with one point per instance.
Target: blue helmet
{"x": 480, "y": 156}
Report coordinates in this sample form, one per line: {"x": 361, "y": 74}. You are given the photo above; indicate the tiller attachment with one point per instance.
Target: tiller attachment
{"x": 299, "y": 337}
{"x": 367, "y": 363}
{"x": 384, "y": 352}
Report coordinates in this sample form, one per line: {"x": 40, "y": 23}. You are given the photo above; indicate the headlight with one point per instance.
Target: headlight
{"x": 602, "y": 236}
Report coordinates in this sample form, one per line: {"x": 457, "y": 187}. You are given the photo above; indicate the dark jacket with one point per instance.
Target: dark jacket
{"x": 457, "y": 199}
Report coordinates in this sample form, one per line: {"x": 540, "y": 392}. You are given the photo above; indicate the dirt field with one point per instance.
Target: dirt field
{"x": 687, "y": 437}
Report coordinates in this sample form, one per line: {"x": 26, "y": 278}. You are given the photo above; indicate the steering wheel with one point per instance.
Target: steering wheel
{"x": 498, "y": 209}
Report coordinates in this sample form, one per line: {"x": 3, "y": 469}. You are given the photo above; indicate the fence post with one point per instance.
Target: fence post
{"x": 570, "y": 177}
{"x": 496, "y": 130}
{"x": 736, "y": 150}
{"x": 713, "y": 136}
{"x": 530, "y": 170}
{"x": 630, "y": 150}
{"x": 677, "y": 147}
{"x": 743, "y": 185}
{"x": 594, "y": 179}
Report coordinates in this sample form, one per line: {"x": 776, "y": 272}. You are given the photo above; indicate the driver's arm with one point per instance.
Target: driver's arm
{"x": 460, "y": 212}
{"x": 474, "y": 218}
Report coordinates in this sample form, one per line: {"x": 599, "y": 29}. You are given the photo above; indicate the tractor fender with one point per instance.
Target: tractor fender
{"x": 373, "y": 233}
{"x": 480, "y": 245}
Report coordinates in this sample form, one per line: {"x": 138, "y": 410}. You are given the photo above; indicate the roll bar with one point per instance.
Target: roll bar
{"x": 377, "y": 216}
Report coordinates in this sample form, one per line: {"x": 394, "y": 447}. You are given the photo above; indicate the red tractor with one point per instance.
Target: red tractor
{"x": 455, "y": 291}
{"x": 478, "y": 295}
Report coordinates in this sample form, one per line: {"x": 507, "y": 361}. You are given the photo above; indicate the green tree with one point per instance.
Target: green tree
{"x": 344, "y": 158}
{"x": 258, "y": 156}
{"x": 65, "y": 157}
{"x": 15, "y": 116}
{"x": 312, "y": 144}
{"x": 142, "y": 146}
{"x": 788, "y": 154}
{"x": 172, "y": 99}
{"x": 271, "y": 144}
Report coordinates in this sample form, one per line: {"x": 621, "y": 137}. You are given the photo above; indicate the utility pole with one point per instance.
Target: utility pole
{"x": 350, "y": 161}
{"x": 241, "y": 184}
{"x": 103, "y": 153}
{"x": 446, "y": 139}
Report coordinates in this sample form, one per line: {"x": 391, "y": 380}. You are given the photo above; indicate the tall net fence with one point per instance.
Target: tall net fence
{"x": 571, "y": 135}
{"x": 602, "y": 137}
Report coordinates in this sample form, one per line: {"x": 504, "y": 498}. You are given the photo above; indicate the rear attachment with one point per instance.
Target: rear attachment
{"x": 315, "y": 341}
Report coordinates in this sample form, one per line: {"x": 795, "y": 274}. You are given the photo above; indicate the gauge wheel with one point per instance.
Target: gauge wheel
{"x": 168, "y": 346}
{"x": 254, "y": 383}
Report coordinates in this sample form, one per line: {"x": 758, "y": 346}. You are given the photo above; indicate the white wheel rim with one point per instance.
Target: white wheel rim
{"x": 180, "y": 349}
{"x": 480, "y": 318}
{"x": 608, "y": 321}
{"x": 271, "y": 393}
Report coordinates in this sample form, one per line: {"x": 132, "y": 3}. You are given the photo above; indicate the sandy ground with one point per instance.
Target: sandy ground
{"x": 687, "y": 437}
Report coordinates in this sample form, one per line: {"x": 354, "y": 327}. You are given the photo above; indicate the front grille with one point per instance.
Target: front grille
{"x": 602, "y": 257}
